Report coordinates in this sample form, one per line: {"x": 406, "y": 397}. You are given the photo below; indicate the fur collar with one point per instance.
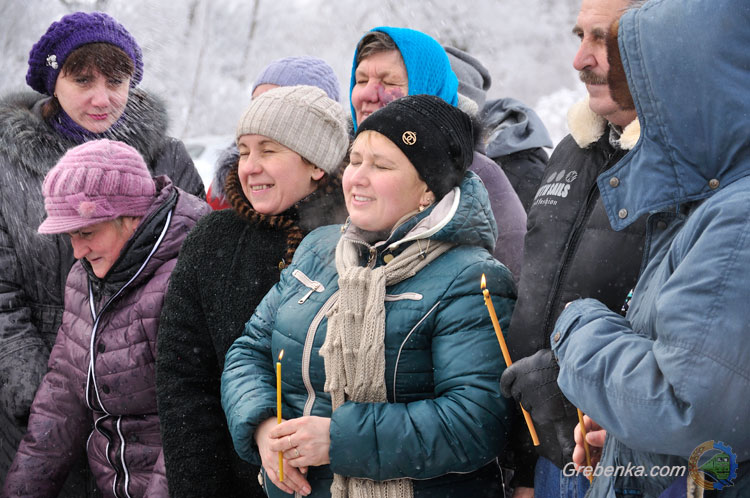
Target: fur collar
{"x": 587, "y": 128}
{"x": 28, "y": 140}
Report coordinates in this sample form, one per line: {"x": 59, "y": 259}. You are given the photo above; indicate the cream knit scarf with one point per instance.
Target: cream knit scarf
{"x": 354, "y": 348}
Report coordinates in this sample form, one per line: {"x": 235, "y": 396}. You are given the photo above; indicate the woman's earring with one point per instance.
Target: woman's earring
{"x": 421, "y": 208}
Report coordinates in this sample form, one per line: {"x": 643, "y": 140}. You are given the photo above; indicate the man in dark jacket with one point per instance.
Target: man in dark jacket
{"x": 571, "y": 252}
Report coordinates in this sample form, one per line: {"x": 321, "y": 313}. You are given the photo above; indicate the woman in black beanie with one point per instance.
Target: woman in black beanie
{"x": 390, "y": 366}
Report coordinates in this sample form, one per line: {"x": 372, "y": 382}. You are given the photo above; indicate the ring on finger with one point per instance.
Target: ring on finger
{"x": 296, "y": 453}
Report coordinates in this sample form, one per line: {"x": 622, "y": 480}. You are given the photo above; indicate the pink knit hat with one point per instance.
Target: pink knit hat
{"x": 94, "y": 182}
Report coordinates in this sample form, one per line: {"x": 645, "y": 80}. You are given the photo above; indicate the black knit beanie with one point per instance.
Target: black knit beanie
{"x": 435, "y": 136}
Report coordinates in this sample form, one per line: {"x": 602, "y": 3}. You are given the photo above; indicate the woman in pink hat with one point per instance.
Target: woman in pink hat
{"x": 85, "y": 72}
{"x": 99, "y": 395}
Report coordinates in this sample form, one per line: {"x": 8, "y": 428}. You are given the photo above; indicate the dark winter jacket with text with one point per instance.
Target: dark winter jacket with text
{"x": 226, "y": 266}
{"x": 570, "y": 249}
{"x": 33, "y": 267}
{"x": 99, "y": 395}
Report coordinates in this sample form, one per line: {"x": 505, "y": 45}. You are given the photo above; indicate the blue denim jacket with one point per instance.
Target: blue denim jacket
{"x": 675, "y": 372}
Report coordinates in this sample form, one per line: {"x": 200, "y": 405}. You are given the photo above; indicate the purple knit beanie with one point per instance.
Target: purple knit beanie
{"x": 94, "y": 182}
{"x": 304, "y": 70}
{"x": 48, "y": 55}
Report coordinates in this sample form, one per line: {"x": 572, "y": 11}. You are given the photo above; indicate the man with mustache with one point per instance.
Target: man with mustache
{"x": 571, "y": 252}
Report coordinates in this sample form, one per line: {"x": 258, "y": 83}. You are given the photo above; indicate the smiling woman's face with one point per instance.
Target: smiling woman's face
{"x": 274, "y": 177}
{"x": 102, "y": 243}
{"x": 380, "y": 184}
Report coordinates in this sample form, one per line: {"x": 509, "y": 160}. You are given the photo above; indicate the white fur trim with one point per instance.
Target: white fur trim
{"x": 630, "y": 135}
{"x": 585, "y": 126}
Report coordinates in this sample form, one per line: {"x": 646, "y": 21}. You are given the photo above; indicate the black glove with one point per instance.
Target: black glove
{"x": 532, "y": 381}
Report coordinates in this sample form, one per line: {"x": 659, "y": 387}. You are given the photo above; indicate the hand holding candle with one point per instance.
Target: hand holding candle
{"x": 585, "y": 443}
{"x": 278, "y": 410}
{"x": 506, "y": 353}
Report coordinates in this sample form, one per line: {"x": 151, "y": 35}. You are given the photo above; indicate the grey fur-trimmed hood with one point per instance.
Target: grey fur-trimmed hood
{"x": 22, "y": 129}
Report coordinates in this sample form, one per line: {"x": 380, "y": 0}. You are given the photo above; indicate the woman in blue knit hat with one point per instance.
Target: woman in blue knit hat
{"x": 85, "y": 70}
{"x": 392, "y": 62}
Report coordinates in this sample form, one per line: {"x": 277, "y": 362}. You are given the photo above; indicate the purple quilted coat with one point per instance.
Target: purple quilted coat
{"x": 99, "y": 395}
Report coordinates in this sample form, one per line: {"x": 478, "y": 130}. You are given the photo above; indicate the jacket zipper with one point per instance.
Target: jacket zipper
{"x": 91, "y": 376}
{"x": 570, "y": 247}
{"x": 307, "y": 282}
{"x": 406, "y": 296}
{"x": 307, "y": 351}
{"x": 398, "y": 357}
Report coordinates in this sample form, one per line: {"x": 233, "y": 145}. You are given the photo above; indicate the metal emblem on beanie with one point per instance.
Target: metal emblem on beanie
{"x": 52, "y": 61}
{"x": 409, "y": 137}
{"x": 446, "y": 138}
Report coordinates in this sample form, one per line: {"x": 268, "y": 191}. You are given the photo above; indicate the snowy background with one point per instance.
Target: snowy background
{"x": 202, "y": 55}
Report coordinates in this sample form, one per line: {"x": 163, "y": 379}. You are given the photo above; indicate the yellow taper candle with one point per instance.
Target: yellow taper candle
{"x": 278, "y": 410}
{"x": 585, "y": 443}
{"x": 506, "y": 353}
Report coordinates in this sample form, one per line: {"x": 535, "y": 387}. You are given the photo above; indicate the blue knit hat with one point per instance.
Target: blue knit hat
{"x": 48, "y": 55}
{"x": 427, "y": 65}
{"x": 304, "y": 70}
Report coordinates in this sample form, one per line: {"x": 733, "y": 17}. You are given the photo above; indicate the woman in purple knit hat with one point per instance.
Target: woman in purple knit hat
{"x": 99, "y": 396}
{"x": 84, "y": 71}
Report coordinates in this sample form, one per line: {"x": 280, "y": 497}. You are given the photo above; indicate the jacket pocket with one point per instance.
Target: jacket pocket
{"x": 309, "y": 283}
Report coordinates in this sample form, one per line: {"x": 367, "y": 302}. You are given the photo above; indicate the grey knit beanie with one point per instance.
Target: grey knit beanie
{"x": 473, "y": 78}
{"x": 302, "y": 118}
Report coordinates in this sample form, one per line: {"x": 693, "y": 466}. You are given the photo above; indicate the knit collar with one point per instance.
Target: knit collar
{"x": 68, "y": 128}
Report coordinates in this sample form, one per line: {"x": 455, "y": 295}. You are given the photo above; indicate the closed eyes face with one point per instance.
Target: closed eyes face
{"x": 379, "y": 79}
{"x": 381, "y": 185}
{"x": 274, "y": 177}
{"x": 92, "y": 100}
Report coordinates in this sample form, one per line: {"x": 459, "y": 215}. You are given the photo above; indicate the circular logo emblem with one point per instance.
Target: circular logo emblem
{"x": 571, "y": 176}
{"x": 713, "y": 465}
{"x": 409, "y": 137}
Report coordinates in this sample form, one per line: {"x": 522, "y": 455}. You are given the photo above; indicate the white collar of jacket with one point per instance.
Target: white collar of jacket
{"x": 587, "y": 128}
{"x": 439, "y": 216}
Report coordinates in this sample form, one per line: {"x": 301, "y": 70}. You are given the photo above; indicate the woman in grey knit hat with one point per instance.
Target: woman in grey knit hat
{"x": 292, "y": 142}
